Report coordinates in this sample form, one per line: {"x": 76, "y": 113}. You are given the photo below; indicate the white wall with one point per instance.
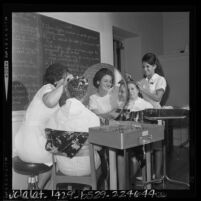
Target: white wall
{"x": 133, "y": 57}
{"x": 176, "y": 65}
{"x": 176, "y": 70}
{"x": 175, "y": 31}
{"x": 147, "y": 25}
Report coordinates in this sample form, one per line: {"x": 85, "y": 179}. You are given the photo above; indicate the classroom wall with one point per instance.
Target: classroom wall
{"x": 164, "y": 33}
{"x": 150, "y": 34}
{"x": 147, "y": 29}
{"x": 176, "y": 66}
{"x": 175, "y": 32}
{"x": 95, "y": 21}
{"x": 176, "y": 71}
{"x": 146, "y": 26}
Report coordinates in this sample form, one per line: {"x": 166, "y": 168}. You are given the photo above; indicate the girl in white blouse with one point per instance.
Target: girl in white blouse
{"x": 153, "y": 86}
{"x": 135, "y": 103}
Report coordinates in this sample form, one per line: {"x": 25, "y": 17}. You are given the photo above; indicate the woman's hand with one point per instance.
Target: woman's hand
{"x": 59, "y": 82}
{"x": 97, "y": 148}
{"x": 64, "y": 80}
{"x": 103, "y": 121}
{"x": 143, "y": 85}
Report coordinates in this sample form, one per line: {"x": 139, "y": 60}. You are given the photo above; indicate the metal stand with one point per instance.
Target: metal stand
{"x": 33, "y": 183}
{"x": 165, "y": 177}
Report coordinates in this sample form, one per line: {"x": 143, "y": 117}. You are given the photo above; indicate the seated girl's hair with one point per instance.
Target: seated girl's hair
{"x": 130, "y": 80}
{"x": 77, "y": 87}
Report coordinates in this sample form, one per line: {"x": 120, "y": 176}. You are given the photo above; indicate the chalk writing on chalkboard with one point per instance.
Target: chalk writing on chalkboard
{"x": 38, "y": 41}
{"x": 19, "y": 95}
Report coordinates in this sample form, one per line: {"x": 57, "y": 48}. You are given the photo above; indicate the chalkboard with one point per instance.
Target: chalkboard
{"x": 19, "y": 96}
{"x": 38, "y": 41}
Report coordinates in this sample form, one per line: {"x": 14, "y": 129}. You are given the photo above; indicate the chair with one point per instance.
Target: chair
{"x": 91, "y": 180}
{"x": 30, "y": 169}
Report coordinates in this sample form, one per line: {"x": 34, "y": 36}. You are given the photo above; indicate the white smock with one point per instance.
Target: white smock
{"x": 74, "y": 116}
{"x": 30, "y": 139}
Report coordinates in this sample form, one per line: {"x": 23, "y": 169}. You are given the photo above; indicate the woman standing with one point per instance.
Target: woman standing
{"x": 30, "y": 139}
{"x": 152, "y": 88}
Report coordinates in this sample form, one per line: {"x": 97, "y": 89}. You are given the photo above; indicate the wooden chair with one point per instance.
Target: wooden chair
{"x": 90, "y": 180}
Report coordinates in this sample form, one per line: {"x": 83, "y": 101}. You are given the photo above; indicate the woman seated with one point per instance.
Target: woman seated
{"x": 74, "y": 116}
{"x": 105, "y": 100}
{"x": 29, "y": 142}
{"x": 134, "y": 104}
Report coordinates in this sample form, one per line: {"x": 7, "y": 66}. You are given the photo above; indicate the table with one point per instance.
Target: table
{"x": 125, "y": 135}
{"x": 165, "y": 122}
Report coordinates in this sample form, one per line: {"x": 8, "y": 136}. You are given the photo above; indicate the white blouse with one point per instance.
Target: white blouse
{"x": 155, "y": 83}
{"x": 138, "y": 104}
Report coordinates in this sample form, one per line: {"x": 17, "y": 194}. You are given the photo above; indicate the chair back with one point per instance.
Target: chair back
{"x": 58, "y": 177}
{"x": 63, "y": 143}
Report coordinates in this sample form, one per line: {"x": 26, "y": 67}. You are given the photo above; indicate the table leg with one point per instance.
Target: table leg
{"x": 113, "y": 169}
{"x": 148, "y": 166}
{"x": 93, "y": 168}
{"x": 146, "y": 170}
{"x": 126, "y": 171}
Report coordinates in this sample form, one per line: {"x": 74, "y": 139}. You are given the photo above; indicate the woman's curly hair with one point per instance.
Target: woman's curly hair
{"x": 54, "y": 73}
{"x": 77, "y": 87}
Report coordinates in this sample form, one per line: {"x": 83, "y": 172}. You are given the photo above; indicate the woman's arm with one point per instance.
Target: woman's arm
{"x": 143, "y": 87}
{"x": 51, "y": 98}
{"x": 154, "y": 96}
{"x": 117, "y": 77}
{"x": 160, "y": 87}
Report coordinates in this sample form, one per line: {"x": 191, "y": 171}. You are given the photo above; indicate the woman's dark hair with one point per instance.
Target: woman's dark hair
{"x": 100, "y": 74}
{"x": 152, "y": 59}
{"x": 54, "y": 73}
